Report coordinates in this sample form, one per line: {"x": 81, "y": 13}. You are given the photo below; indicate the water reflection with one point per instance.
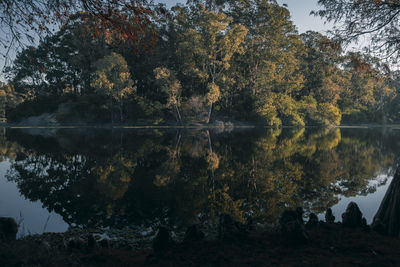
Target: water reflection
{"x": 116, "y": 178}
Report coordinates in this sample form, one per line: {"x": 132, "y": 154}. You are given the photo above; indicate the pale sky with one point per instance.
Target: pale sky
{"x": 299, "y": 9}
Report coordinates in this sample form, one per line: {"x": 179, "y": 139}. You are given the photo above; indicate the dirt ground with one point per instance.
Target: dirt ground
{"x": 327, "y": 245}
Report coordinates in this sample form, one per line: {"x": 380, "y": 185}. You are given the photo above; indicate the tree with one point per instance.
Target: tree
{"x": 378, "y": 18}
{"x": 9, "y": 96}
{"x": 27, "y": 72}
{"x": 320, "y": 67}
{"x": 172, "y": 87}
{"x": 27, "y": 20}
{"x": 113, "y": 79}
{"x": 270, "y": 66}
{"x": 369, "y": 91}
{"x": 207, "y": 43}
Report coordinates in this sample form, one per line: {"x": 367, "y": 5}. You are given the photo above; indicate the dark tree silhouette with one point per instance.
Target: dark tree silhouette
{"x": 26, "y": 21}
{"x": 388, "y": 216}
{"x": 377, "y": 18}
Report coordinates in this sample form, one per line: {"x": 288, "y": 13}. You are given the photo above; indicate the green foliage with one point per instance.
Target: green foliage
{"x": 225, "y": 60}
{"x": 119, "y": 177}
{"x": 35, "y": 107}
{"x": 329, "y": 114}
{"x": 166, "y": 80}
{"x": 113, "y": 79}
{"x": 207, "y": 41}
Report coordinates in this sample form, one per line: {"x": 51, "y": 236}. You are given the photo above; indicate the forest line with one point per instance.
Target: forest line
{"x": 201, "y": 62}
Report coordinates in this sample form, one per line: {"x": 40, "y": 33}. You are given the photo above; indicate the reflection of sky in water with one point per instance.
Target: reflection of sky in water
{"x": 368, "y": 204}
{"x": 34, "y": 216}
{"x": 12, "y": 204}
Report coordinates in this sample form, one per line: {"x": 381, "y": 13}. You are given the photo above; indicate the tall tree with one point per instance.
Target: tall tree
{"x": 172, "y": 87}
{"x": 27, "y": 20}
{"x": 321, "y": 67}
{"x": 271, "y": 59}
{"x": 113, "y": 79}
{"x": 206, "y": 44}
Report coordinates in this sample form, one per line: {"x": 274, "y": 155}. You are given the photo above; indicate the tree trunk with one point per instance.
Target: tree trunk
{"x": 112, "y": 110}
{"x": 209, "y": 113}
{"x": 388, "y": 215}
{"x": 179, "y": 114}
{"x": 121, "y": 110}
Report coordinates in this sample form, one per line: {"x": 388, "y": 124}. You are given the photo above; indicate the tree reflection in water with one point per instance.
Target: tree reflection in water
{"x": 95, "y": 178}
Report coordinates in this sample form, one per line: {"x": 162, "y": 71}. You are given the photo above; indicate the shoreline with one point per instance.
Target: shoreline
{"x": 190, "y": 126}
{"x": 293, "y": 243}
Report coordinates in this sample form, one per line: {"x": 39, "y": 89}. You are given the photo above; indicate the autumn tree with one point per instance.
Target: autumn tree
{"x": 321, "y": 67}
{"x": 63, "y": 60}
{"x": 271, "y": 60}
{"x": 369, "y": 91}
{"x": 172, "y": 87}
{"x": 8, "y": 94}
{"x": 26, "y": 21}
{"x": 206, "y": 44}
{"x": 113, "y": 79}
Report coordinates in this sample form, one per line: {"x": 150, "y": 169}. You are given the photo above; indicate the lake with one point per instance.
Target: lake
{"x": 51, "y": 179}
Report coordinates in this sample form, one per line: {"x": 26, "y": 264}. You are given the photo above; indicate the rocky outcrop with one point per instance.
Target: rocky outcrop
{"x": 329, "y": 218}
{"x": 292, "y": 227}
{"x": 193, "y": 234}
{"x": 229, "y": 229}
{"x": 312, "y": 220}
{"x": 8, "y": 229}
{"x": 353, "y": 216}
{"x": 163, "y": 240}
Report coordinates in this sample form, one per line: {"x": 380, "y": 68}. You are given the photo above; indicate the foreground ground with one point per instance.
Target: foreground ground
{"x": 327, "y": 245}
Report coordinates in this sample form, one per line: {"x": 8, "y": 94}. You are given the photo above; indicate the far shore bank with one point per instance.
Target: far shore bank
{"x": 191, "y": 126}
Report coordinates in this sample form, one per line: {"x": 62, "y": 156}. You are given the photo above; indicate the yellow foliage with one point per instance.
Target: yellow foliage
{"x": 212, "y": 161}
{"x": 213, "y": 93}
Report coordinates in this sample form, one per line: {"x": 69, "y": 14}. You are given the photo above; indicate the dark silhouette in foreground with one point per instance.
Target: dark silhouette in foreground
{"x": 387, "y": 219}
{"x": 8, "y": 229}
{"x": 292, "y": 242}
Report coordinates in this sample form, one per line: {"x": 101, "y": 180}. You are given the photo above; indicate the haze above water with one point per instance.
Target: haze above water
{"x": 95, "y": 178}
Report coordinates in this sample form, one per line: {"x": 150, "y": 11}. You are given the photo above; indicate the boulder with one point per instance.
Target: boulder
{"x": 8, "y": 229}
{"x": 352, "y": 217}
{"x": 292, "y": 228}
{"x": 300, "y": 212}
{"x": 76, "y": 243}
{"x": 104, "y": 243}
{"x": 193, "y": 234}
{"x": 229, "y": 229}
{"x": 91, "y": 242}
{"x": 329, "y": 218}
{"x": 312, "y": 220}
{"x": 163, "y": 240}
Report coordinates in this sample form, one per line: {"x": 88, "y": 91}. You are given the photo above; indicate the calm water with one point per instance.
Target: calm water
{"x": 52, "y": 179}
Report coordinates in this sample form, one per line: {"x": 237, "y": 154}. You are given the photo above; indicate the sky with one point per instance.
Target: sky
{"x": 299, "y": 9}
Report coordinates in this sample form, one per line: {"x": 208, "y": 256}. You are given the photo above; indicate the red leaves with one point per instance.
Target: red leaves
{"x": 127, "y": 20}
